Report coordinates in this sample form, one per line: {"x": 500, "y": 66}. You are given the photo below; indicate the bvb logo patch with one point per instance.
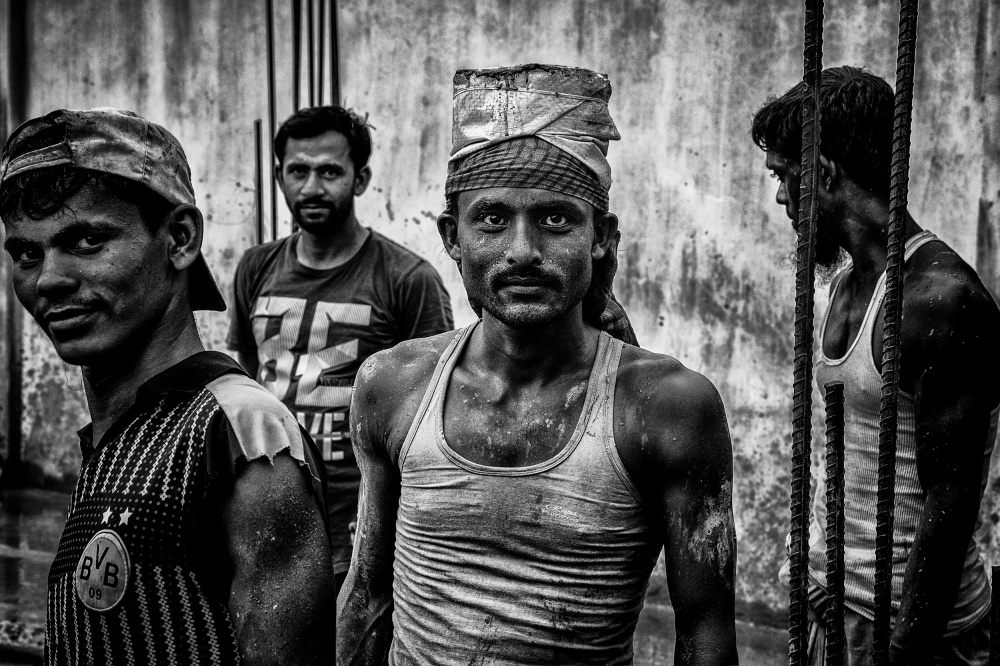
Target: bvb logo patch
{"x": 103, "y": 571}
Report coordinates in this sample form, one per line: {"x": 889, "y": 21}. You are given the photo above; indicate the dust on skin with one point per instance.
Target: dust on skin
{"x": 574, "y": 393}
{"x": 711, "y": 538}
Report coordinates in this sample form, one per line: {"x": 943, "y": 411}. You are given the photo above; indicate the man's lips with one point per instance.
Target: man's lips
{"x": 65, "y": 317}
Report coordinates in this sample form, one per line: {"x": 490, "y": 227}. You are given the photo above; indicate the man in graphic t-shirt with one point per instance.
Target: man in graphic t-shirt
{"x": 309, "y": 308}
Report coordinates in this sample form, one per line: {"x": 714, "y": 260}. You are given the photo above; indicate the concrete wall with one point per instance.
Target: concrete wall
{"x": 704, "y": 270}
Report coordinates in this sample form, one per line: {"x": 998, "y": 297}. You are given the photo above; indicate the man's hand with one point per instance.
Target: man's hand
{"x": 282, "y": 598}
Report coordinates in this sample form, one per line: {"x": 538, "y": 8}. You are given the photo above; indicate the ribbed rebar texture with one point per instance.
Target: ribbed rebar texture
{"x": 834, "y": 619}
{"x": 802, "y": 375}
{"x": 995, "y": 620}
{"x": 890, "y": 338}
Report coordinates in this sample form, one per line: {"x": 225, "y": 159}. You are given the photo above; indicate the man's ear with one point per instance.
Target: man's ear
{"x": 829, "y": 174}
{"x": 278, "y": 176}
{"x": 362, "y": 179}
{"x": 185, "y": 228}
{"x": 605, "y": 231}
{"x": 447, "y": 225}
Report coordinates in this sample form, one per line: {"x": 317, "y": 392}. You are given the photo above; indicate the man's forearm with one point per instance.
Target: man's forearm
{"x": 364, "y": 631}
{"x": 934, "y": 572}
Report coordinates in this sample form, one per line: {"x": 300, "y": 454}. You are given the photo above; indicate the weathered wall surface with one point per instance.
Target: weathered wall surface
{"x": 704, "y": 270}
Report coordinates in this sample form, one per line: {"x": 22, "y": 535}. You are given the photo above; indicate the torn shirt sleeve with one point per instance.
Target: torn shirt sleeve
{"x": 253, "y": 425}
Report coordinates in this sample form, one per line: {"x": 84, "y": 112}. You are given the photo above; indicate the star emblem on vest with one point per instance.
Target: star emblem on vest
{"x": 124, "y": 516}
{"x": 107, "y": 516}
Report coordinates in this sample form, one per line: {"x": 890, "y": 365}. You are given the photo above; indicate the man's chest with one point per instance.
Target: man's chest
{"x": 513, "y": 430}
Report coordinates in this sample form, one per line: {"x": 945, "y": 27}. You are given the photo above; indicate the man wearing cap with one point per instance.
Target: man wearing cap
{"x": 196, "y": 532}
{"x": 310, "y": 307}
{"x": 520, "y": 477}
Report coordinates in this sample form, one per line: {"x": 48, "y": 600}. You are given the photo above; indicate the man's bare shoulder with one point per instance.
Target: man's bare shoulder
{"x": 945, "y": 301}
{"x": 667, "y": 417}
{"x": 391, "y": 383}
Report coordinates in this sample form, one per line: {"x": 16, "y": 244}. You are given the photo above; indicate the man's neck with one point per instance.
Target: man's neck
{"x": 521, "y": 356}
{"x": 111, "y": 387}
{"x": 331, "y": 249}
{"x": 866, "y": 234}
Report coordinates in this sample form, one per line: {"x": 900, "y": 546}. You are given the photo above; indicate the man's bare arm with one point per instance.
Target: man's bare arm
{"x": 683, "y": 466}
{"x": 282, "y": 598}
{"x": 949, "y": 351}
{"x": 365, "y": 603}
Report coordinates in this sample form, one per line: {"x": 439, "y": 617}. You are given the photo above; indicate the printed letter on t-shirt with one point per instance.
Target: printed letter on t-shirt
{"x": 279, "y": 366}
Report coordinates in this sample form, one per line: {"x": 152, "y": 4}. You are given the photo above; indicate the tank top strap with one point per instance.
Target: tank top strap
{"x": 450, "y": 352}
{"x": 913, "y": 243}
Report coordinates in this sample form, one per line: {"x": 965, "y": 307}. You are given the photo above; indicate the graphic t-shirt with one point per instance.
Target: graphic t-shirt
{"x": 311, "y": 330}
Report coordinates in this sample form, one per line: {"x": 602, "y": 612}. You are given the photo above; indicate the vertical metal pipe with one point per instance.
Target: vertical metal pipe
{"x": 995, "y": 619}
{"x": 310, "y": 28}
{"x": 802, "y": 375}
{"x": 834, "y": 619}
{"x": 321, "y": 51}
{"x": 258, "y": 177}
{"x": 296, "y": 53}
{"x": 334, "y": 55}
{"x": 271, "y": 115}
{"x": 890, "y": 338}
{"x": 18, "y": 88}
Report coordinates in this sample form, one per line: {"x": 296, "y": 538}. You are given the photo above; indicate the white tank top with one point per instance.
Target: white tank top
{"x": 862, "y": 395}
{"x": 544, "y": 564}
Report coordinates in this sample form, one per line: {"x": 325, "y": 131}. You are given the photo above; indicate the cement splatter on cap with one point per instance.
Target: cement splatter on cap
{"x": 118, "y": 142}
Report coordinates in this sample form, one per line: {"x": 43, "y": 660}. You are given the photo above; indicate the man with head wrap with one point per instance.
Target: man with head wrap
{"x": 519, "y": 478}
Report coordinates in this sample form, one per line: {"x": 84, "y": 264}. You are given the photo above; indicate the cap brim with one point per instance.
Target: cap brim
{"x": 203, "y": 291}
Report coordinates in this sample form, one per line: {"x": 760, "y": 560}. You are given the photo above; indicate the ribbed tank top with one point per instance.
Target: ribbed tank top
{"x": 862, "y": 395}
{"x": 544, "y": 564}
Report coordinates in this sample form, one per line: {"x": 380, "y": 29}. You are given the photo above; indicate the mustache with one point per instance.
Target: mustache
{"x": 314, "y": 201}
{"x": 532, "y": 275}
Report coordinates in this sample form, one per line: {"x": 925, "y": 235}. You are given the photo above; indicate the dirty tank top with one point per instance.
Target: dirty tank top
{"x": 544, "y": 564}
{"x": 862, "y": 394}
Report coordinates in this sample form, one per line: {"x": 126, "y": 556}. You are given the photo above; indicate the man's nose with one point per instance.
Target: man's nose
{"x": 312, "y": 185}
{"x": 56, "y": 277}
{"x": 782, "y": 196}
{"x": 523, "y": 250}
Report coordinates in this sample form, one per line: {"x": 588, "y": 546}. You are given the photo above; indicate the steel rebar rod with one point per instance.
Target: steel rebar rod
{"x": 834, "y": 616}
{"x": 802, "y": 374}
{"x": 885, "y": 505}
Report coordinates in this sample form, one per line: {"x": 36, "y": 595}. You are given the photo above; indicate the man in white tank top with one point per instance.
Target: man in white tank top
{"x": 948, "y": 393}
{"x": 520, "y": 477}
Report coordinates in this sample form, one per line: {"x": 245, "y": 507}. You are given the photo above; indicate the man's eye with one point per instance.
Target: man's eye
{"x": 26, "y": 256}
{"x": 492, "y": 220}
{"x": 90, "y": 243}
{"x": 555, "y": 220}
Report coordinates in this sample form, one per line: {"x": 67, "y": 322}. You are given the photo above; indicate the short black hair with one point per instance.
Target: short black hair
{"x": 856, "y": 111}
{"x": 315, "y": 120}
{"x": 41, "y": 192}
